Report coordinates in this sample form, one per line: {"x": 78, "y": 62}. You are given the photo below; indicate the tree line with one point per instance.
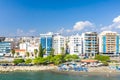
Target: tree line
{"x": 50, "y": 59}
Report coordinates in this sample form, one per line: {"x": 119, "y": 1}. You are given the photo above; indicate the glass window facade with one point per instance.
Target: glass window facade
{"x": 46, "y": 42}
{"x": 104, "y": 44}
{"x": 5, "y": 47}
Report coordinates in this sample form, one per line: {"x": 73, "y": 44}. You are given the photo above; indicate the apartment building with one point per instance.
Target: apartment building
{"x": 89, "y": 43}
{"x": 109, "y": 42}
{"x": 58, "y": 44}
{"x": 75, "y": 44}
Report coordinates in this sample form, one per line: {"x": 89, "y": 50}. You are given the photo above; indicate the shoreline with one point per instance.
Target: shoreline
{"x": 86, "y": 73}
{"x": 91, "y": 71}
{"x": 25, "y": 68}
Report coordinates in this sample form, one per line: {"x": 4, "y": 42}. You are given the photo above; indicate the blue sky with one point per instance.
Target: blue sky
{"x": 32, "y": 17}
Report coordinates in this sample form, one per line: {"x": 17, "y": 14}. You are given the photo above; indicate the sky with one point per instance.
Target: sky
{"x": 32, "y": 17}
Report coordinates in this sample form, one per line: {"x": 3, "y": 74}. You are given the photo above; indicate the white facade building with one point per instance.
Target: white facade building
{"x": 58, "y": 43}
{"x": 75, "y": 44}
{"x": 29, "y": 44}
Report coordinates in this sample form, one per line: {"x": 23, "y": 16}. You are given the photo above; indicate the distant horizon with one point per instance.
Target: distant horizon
{"x": 55, "y": 33}
{"x": 32, "y": 17}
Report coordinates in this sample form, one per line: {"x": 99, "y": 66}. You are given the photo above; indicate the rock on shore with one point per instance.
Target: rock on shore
{"x": 25, "y": 68}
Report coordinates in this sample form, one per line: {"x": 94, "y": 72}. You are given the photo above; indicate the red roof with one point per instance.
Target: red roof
{"x": 88, "y": 60}
{"x": 19, "y": 50}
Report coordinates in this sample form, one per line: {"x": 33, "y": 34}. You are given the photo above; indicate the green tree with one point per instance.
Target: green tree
{"x": 35, "y": 52}
{"x": 69, "y": 57}
{"x": 62, "y": 51}
{"x": 40, "y": 53}
{"x": 17, "y": 61}
{"x": 58, "y": 59}
{"x": 27, "y": 54}
{"x": 27, "y": 61}
{"x": 75, "y": 57}
{"x": 102, "y": 58}
{"x": 17, "y": 54}
{"x": 13, "y": 52}
{"x": 39, "y": 60}
{"x": 52, "y": 52}
{"x": 50, "y": 59}
{"x": 36, "y": 61}
{"x": 43, "y": 51}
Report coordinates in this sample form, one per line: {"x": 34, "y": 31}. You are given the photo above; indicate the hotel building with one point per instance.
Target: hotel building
{"x": 5, "y": 47}
{"x": 58, "y": 43}
{"x": 46, "y": 41}
{"x": 109, "y": 42}
{"x": 75, "y": 44}
{"x": 89, "y": 43}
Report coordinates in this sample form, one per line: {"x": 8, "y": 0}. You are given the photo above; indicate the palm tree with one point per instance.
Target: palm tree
{"x": 62, "y": 51}
{"x": 27, "y": 54}
{"x": 52, "y": 52}
{"x": 17, "y": 54}
{"x": 43, "y": 51}
{"x": 13, "y": 52}
{"x": 35, "y": 52}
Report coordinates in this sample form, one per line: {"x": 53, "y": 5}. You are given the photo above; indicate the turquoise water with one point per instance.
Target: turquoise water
{"x": 52, "y": 76}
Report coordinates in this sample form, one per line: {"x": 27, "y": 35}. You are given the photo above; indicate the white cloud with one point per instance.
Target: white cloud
{"x": 116, "y": 20}
{"x": 68, "y": 30}
{"x": 114, "y": 26}
{"x": 81, "y": 25}
{"x": 77, "y": 27}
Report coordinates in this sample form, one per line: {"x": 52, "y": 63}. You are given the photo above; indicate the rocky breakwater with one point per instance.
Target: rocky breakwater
{"x": 25, "y": 68}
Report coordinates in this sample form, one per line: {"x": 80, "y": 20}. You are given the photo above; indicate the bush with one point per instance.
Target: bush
{"x": 40, "y": 60}
{"x": 27, "y": 61}
{"x": 58, "y": 59}
{"x": 36, "y": 61}
{"x": 105, "y": 63}
{"x": 71, "y": 57}
{"x": 102, "y": 58}
{"x": 17, "y": 61}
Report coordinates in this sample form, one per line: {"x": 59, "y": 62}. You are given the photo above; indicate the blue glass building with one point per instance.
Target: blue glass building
{"x": 46, "y": 42}
{"x": 5, "y": 47}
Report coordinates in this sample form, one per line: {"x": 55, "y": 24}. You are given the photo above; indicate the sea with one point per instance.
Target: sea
{"x": 48, "y": 75}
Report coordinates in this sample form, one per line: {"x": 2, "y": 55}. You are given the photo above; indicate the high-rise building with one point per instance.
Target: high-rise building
{"x": 75, "y": 44}
{"x": 46, "y": 41}
{"x": 89, "y": 43}
{"x": 109, "y": 42}
{"x": 58, "y": 44}
{"x": 5, "y": 47}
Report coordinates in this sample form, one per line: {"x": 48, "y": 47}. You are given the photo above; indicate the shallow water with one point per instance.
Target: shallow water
{"x": 47, "y": 75}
